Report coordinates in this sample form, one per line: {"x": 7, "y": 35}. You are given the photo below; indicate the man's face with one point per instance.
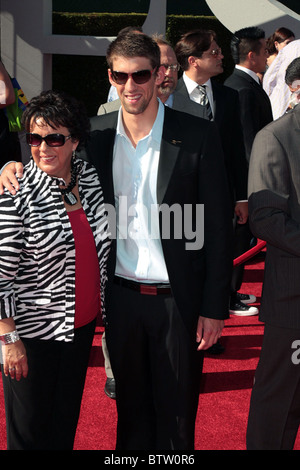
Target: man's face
{"x": 210, "y": 63}
{"x": 260, "y": 58}
{"x": 135, "y": 97}
{"x": 169, "y": 61}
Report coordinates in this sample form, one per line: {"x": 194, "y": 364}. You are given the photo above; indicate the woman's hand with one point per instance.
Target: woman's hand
{"x": 15, "y": 360}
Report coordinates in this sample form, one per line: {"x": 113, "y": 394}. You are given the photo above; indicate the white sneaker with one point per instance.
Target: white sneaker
{"x": 241, "y": 309}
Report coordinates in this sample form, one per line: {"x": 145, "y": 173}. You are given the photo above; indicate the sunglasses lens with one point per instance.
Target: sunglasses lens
{"x": 52, "y": 140}
{"x": 55, "y": 140}
{"x": 33, "y": 139}
{"x": 119, "y": 77}
{"x": 142, "y": 76}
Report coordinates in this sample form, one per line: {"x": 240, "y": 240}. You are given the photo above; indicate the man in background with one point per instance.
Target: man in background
{"x": 249, "y": 52}
{"x": 200, "y": 58}
{"x": 274, "y": 212}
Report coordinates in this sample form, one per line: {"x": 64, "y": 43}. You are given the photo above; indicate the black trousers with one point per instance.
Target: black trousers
{"x": 42, "y": 410}
{"x": 242, "y": 239}
{"x": 274, "y": 415}
{"x": 157, "y": 369}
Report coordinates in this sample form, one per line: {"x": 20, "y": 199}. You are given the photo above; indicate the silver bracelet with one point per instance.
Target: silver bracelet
{"x": 9, "y": 338}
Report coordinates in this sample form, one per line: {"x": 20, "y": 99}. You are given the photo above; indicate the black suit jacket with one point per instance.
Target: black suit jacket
{"x": 191, "y": 171}
{"x": 227, "y": 119}
{"x": 256, "y": 111}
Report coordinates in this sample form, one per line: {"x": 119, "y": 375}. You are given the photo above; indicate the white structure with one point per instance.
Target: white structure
{"x": 267, "y": 14}
{"x": 27, "y": 42}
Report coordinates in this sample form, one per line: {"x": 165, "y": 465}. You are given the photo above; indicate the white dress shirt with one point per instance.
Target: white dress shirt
{"x": 281, "y": 93}
{"x": 139, "y": 250}
{"x": 249, "y": 72}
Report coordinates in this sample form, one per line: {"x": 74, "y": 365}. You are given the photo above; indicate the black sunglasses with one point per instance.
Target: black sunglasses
{"x": 140, "y": 77}
{"x": 52, "y": 140}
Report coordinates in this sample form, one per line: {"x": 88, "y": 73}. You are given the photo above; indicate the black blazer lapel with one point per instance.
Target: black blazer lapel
{"x": 170, "y": 147}
{"x": 100, "y": 151}
{"x": 219, "y": 103}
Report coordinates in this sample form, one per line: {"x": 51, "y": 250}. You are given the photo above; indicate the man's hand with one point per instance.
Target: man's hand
{"x": 241, "y": 211}
{"x": 9, "y": 175}
{"x": 209, "y": 330}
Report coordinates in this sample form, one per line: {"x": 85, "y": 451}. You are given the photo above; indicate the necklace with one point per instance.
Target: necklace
{"x": 70, "y": 197}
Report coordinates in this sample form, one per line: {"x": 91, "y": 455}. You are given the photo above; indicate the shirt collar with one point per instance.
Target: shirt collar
{"x": 191, "y": 85}
{"x": 249, "y": 72}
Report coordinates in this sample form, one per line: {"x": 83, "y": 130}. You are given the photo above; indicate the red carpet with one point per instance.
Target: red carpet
{"x": 224, "y": 400}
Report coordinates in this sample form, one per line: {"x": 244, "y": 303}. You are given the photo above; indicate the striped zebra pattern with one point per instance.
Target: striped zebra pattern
{"x": 37, "y": 253}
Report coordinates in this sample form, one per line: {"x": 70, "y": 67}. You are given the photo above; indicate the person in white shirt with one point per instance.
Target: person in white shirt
{"x": 280, "y": 92}
{"x": 275, "y": 43}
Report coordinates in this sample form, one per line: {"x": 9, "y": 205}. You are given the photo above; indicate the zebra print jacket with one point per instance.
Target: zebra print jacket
{"x": 37, "y": 253}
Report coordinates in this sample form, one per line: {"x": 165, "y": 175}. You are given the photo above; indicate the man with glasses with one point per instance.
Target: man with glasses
{"x": 165, "y": 90}
{"x": 200, "y": 58}
{"x": 160, "y": 311}
{"x": 159, "y": 304}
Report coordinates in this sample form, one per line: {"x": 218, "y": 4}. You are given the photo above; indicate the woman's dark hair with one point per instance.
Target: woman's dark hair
{"x": 57, "y": 109}
{"x": 280, "y": 35}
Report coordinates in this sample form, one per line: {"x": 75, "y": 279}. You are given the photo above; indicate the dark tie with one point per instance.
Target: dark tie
{"x": 204, "y": 101}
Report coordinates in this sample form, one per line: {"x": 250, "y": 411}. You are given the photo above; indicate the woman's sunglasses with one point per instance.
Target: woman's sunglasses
{"x": 140, "y": 77}
{"x": 52, "y": 140}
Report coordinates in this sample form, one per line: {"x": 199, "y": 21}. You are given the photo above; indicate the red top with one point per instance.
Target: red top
{"x": 87, "y": 274}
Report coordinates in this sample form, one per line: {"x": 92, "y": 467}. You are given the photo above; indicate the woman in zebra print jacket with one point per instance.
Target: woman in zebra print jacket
{"x": 54, "y": 246}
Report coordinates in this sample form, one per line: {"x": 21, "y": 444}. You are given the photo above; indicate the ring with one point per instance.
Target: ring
{"x": 11, "y": 368}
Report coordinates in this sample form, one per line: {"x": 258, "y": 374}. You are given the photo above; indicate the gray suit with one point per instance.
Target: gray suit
{"x": 180, "y": 103}
{"x": 109, "y": 107}
{"x": 274, "y": 210}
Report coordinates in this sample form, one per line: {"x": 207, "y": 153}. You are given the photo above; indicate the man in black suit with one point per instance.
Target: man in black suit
{"x": 249, "y": 52}
{"x": 169, "y": 269}
{"x": 158, "y": 156}
{"x": 200, "y": 58}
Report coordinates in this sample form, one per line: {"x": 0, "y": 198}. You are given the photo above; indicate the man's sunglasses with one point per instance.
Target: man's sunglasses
{"x": 52, "y": 140}
{"x": 140, "y": 77}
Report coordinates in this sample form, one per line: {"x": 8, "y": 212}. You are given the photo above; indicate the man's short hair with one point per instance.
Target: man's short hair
{"x": 244, "y": 41}
{"x": 292, "y": 72}
{"x": 133, "y": 45}
{"x": 193, "y": 43}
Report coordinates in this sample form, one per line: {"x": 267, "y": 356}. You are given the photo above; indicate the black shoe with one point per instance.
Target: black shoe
{"x": 110, "y": 388}
{"x": 241, "y": 309}
{"x": 216, "y": 348}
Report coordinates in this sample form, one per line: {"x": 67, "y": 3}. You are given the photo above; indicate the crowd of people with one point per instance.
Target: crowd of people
{"x": 86, "y": 229}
